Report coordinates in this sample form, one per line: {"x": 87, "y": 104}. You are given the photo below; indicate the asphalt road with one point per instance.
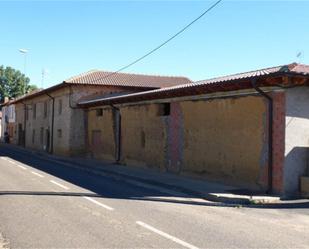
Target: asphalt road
{"x": 47, "y": 205}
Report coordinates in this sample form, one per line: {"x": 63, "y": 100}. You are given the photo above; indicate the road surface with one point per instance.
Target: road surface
{"x": 44, "y": 204}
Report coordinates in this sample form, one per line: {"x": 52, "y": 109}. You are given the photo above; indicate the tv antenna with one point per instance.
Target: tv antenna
{"x": 300, "y": 56}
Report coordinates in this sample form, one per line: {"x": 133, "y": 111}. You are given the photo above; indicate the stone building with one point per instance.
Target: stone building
{"x": 50, "y": 120}
{"x": 249, "y": 129}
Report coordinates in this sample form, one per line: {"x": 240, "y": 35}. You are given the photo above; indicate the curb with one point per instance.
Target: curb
{"x": 221, "y": 200}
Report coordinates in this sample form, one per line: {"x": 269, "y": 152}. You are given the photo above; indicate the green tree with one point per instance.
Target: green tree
{"x": 13, "y": 83}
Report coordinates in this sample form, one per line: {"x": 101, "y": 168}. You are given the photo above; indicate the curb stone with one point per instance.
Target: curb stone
{"x": 217, "y": 199}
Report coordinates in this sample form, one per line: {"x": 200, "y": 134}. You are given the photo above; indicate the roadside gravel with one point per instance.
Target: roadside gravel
{"x": 3, "y": 242}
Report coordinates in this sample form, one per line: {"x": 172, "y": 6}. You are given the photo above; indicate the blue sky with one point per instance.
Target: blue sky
{"x": 70, "y": 37}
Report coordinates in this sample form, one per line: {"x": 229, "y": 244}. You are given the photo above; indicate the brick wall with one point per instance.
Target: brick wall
{"x": 278, "y": 140}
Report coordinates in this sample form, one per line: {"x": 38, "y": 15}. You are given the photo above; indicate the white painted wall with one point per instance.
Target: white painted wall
{"x": 296, "y": 138}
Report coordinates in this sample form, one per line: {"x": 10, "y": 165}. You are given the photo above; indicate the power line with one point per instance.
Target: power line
{"x": 165, "y": 42}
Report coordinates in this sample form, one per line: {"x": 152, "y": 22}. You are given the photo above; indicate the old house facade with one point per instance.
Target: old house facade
{"x": 50, "y": 120}
{"x": 249, "y": 129}
{"x": 8, "y": 120}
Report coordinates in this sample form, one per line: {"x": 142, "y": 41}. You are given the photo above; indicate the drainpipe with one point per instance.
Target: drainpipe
{"x": 270, "y": 134}
{"x": 52, "y": 124}
{"x": 118, "y": 132}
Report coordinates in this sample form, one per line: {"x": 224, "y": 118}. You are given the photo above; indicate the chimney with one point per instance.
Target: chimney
{"x": 6, "y": 99}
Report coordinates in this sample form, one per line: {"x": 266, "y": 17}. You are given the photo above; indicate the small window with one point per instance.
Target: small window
{"x": 33, "y": 136}
{"x": 99, "y": 112}
{"x": 59, "y": 132}
{"x": 34, "y": 111}
{"x": 60, "y": 106}
{"x": 164, "y": 109}
{"x": 45, "y": 109}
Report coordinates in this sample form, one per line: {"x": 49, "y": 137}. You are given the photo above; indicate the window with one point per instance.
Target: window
{"x": 33, "y": 136}
{"x": 60, "y": 106}
{"x": 45, "y": 109}
{"x": 59, "y": 132}
{"x": 34, "y": 110}
{"x": 42, "y": 135}
{"x": 164, "y": 109}
{"x": 99, "y": 112}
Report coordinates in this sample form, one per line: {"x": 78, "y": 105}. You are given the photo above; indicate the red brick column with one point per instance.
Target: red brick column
{"x": 278, "y": 140}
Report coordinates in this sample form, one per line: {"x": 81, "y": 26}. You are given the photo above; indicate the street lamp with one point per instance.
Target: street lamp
{"x": 24, "y": 52}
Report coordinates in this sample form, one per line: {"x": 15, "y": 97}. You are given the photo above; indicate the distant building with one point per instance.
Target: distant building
{"x": 8, "y": 119}
{"x": 50, "y": 119}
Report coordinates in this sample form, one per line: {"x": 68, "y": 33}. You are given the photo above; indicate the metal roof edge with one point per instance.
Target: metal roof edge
{"x": 196, "y": 85}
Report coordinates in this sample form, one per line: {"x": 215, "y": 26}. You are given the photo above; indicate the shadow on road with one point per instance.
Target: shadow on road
{"x": 116, "y": 187}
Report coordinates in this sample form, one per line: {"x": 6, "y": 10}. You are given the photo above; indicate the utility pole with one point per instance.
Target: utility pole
{"x": 24, "y": 52}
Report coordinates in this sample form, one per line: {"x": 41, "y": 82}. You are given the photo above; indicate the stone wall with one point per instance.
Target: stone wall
{"x": 69, "y": 133}
{"x": 37, "y": 128}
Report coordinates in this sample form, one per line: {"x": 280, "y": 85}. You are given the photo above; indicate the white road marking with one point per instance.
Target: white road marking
{"x": 37, "y": 174}
{"x": 59, "y": 184}
{"x": 13, "y": 162}
{"x": 22, "y": 167}
{"x": 165, "y": 235}
{"x": 98, "y": 203}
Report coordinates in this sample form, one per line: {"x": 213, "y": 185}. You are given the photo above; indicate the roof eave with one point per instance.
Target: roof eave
{"x": 230, "y": 85}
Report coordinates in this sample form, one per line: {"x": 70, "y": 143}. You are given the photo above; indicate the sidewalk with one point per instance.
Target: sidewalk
{"x": 193, "y": 188}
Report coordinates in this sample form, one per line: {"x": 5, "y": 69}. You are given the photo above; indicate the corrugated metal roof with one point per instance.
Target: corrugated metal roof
{"x": 225, "y": 83}
{"x": 96, "y": 77}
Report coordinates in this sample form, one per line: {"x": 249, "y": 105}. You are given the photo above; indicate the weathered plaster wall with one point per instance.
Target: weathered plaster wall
{"x": 79, "y": 117}
{"x": 296, "y": 138}
{"x": 226, "y": 138}
{"x": 221, "y": 139}
{"x": 101, "y": 134}
{"x": 143, "y": 136}
{"x": 19, "y": 109}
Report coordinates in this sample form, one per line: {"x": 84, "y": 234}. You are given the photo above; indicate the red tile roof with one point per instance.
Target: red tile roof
{"x": 96, "y": 77}
{"x": 225, "y": 83}
{"x": 103, "y": 78}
